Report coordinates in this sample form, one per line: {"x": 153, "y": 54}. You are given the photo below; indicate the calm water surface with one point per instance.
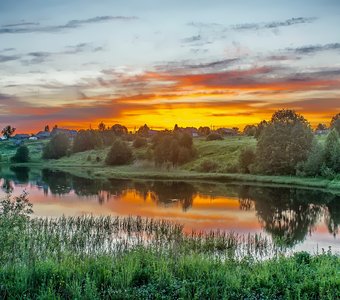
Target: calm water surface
{"x": 299, "y": 218}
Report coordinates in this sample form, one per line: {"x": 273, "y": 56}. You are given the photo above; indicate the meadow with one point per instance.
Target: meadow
{"x": 135, "y": 258}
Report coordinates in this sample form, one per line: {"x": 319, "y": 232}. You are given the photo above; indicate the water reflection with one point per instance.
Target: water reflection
{"x": 289, "y": 215}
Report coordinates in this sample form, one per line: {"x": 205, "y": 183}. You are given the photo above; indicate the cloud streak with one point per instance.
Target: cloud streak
{"x": 30, "y": 27}
{"x": 313, "y": 49}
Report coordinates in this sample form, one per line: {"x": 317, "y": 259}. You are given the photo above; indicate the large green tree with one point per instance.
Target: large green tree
{"x": 284, "y": 142}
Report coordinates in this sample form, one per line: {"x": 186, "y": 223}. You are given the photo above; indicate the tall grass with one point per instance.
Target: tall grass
{"x": 138, "y": 258}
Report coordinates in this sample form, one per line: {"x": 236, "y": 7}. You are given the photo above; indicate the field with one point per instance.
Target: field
{"x": 134, "y": 258}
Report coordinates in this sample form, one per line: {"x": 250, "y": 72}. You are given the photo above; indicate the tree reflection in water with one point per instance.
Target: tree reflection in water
{"x": 288, "y": 214}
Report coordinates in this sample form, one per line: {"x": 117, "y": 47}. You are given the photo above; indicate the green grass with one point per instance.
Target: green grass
{"x": 225, "y": 152}
{"x": 134, "y": 258}
{"x": 143, "y": 274}
{"x": 8, "y": 149}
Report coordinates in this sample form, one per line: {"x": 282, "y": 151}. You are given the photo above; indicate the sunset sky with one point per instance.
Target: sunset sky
{"x": 194, "y": 62}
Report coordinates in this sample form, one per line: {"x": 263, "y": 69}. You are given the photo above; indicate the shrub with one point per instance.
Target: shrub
{"x": 208, "y": 166}
{"x": 21, "y": 156}
{"x": 87, "y": 140}
{"x": 57, "y": 147}
{"x": 312, "y": 166}
{"x": 246, "y": 159}
{"x": 332, "y": 151}
{"x": 119, "y": 154}
{"x": 214, "y": 137}
{"x": 139, "y": 142}
{"x": 174, "y": 148}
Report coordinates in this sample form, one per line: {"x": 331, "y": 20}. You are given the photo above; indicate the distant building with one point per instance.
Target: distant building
{"x": 41, "y": 135}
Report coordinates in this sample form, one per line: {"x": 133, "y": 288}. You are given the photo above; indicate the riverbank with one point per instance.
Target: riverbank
{"x": 224, "y": 155}
{"x": 152, "y": 173}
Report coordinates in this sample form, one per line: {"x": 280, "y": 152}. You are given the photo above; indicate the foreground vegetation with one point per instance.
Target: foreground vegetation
{"x": 134, "y": 258}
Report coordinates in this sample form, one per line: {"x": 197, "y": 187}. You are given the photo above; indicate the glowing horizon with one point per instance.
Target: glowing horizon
{"x": 161, "y": 64}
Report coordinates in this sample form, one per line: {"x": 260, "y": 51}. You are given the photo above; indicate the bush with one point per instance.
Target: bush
{"x": 87, "y": 140}
{"x": 21, "y": 156}
{"x": 312, "y": 166}
{"x": 214, "y": 137}
{"x": 119, "y": 154}
{"x": 332, "y": 151}
{"x": 174, "y": 148}
{"x": 246, "y": 159}
{"x": 139, "y": 142}
{"x": 57, "y": 147}
{"x": 208, "y": 166}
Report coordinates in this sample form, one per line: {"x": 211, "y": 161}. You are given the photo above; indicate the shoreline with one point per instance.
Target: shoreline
{"x": 131, "y": 172}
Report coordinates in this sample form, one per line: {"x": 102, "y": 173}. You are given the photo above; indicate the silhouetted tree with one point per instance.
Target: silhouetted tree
{"x": 250, "y": 130}
{"x": 143, "y": 130}
{"x": 47, "y": 128}
{"x": 101, "y": 126}
{"x": 321, "y": 127}
{"x": 8, "y": 131}
{"x": 119, "y": 130}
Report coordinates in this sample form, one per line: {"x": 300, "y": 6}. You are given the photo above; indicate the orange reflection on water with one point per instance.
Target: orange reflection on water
{"x": 205, "y": 212}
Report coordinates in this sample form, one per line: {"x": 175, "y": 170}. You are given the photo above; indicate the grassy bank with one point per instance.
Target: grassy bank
{"x": 134, "y": 258}
{"x": 143, "y": 274}
{"x": 223, "y": 154}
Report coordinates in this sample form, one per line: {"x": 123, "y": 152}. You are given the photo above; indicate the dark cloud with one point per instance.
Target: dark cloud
{"x": 312, "y": 49}
{"x": 191, "y": 39}
{"x": 252, "y": 26}
{"x": 42, "y": 56}
{"x": 29, "y": 27}
{"x": 213, "y": 64}
{"x": 273, "y": 25}
{"x": 7, "y": 49}
{"x": 6, "y": 58}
